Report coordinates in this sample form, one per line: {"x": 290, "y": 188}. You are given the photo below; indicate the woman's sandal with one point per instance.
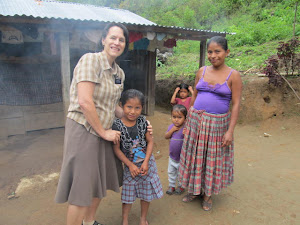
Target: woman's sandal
{"x": 206, "y": 205}
{"x": 189, "y": 197}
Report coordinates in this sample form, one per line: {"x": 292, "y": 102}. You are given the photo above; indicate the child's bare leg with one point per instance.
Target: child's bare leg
{"x": 144, "y": 211}
{"x": 125, "y": 212}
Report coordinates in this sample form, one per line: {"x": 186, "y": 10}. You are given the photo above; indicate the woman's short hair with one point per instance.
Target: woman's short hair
{"x": 106, "y": 30}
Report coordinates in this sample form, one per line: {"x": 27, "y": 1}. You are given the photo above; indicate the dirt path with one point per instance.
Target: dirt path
{"x": 265, "y": 191}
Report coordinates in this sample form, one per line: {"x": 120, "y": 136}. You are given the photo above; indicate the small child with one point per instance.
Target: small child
{"x": 175, "y": 134}
{"x": 135, "y": 151}
{"x": 184, "y": 99}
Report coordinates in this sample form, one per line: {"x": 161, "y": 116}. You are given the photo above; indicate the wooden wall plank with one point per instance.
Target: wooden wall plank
{"x": 65, "y": 69}
{"x": 151, "y": 83}
{"x": 202, "y": 53}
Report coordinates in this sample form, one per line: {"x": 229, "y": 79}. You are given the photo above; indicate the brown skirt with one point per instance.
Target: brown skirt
{"x": 89, "y": 167}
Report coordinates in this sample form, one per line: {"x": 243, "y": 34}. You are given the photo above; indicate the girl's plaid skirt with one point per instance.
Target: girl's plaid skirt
{"x": 204, "y": 164}
{"x": 146, "y": 187}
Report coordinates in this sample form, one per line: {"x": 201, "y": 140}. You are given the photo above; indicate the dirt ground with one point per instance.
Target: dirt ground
{"x": 265, "y": 191}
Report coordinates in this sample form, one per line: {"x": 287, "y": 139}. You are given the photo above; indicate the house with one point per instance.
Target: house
{"x": 41, "y": 42}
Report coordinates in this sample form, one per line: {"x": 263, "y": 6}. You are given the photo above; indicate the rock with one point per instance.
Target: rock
{"x": 267, "y": 135}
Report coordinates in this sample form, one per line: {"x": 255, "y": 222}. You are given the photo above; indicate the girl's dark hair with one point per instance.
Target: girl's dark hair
{"x": 180, "y": 108}
{"x": 184, "y": 86}
{"x": 132, "y": 93}
{"x": 219, "y": 40}
{"x": 106, "y": 30}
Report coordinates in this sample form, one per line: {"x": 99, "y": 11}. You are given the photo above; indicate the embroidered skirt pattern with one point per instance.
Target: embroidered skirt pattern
{"x": 204, "y": 164}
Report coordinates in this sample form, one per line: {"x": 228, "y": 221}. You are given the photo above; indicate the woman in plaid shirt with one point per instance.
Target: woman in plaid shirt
{"x": 89, "y": 166}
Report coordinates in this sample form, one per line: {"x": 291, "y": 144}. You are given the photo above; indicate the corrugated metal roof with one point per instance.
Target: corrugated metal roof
{"x": 68, "y": 10}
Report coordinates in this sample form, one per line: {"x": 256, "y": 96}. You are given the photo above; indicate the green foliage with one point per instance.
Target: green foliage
{"x": 254, "y": 21}
{"x": 183, "y": 65}
{"x": 187, "y": 47}
{"x": 242, "y": 58}
{"x": 258, "y": 26}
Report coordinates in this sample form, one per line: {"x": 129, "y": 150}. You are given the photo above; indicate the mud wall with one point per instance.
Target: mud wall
{"x": 260, "y": 100}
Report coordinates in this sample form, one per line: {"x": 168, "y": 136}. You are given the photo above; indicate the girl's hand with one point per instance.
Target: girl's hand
{"x": 191, "y": 89}
{"x": 149, "y": 127}
{"x": 177, "y": 89}
{"x": 227, "y": 139}
{"x": 174, "y": 128}
{"x": 134, "y": 170}
{"x": 144, "y": 168}
{"x": 112, "y": 135}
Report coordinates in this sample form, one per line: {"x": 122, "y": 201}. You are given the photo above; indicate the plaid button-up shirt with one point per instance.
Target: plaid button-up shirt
{"x": 94, "y": 67}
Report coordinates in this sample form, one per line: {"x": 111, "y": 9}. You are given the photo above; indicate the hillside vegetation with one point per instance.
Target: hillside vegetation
{"x": 258, "y": 26}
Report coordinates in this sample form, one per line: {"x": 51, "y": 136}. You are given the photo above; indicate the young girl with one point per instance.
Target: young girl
{"x": 206, "y": 161}
{"x": 174, "y": 133}
{"x": 135, "y": 151}
{"x": 183, "y": 90}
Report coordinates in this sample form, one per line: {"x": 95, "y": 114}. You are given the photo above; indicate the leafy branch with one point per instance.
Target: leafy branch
{"x": 286, "y": 52}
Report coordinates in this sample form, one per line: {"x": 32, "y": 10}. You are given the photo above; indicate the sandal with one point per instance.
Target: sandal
{"x": 189, "y": 197}
{"x": 170, "y": 191}
{"x": 179, "y": 191}
{"x": 206, "y": 205}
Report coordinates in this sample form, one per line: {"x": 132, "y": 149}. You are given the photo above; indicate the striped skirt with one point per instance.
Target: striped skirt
{"x": 204, "y": 164}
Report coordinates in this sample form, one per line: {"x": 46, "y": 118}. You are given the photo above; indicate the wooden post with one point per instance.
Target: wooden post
{"x": 202, "y": 53}
{"x": 65, "y": 69}
{"x": 151, "y": 83}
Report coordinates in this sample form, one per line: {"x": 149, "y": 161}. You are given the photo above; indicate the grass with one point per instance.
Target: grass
{"x": 244, "y": 58}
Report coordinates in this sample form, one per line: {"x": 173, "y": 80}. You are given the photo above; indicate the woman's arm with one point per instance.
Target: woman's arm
{"x": 195, "y": 93}
{"x": 236, "y": 90}
{"x": 173, "y": 99}
{"x": 86, "y": 102}
{"x": 119, "y": 112}
{"x": 144, "y": 168}
{"x": 134, "y": 170}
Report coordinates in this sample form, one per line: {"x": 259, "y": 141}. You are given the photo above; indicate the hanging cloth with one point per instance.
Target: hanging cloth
{"x": 170, "y": 43}
{"x": 135, "y": 36}
{"x": 141, "y": 44}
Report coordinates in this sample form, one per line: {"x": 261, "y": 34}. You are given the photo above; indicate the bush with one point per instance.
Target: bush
{"x": 286, "y": 59}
